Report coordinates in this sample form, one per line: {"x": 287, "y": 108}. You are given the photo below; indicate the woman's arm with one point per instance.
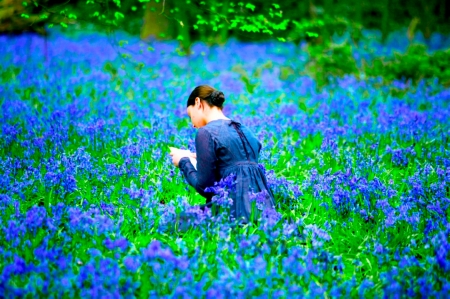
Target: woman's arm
{"x": 204, "y": 176}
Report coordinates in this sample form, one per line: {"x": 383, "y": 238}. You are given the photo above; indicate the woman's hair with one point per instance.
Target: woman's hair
{"x": 211, "y": 95}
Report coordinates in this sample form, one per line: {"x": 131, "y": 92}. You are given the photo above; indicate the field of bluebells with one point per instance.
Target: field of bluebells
{"x": 90, "y": 202}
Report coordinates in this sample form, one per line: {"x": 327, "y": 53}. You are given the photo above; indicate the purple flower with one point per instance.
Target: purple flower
{"x": 51, "y": 179}
{"x": 152, "y": 250}
{"x": 260, "y": 198}
{"x": 399, "y": 157}
{"x": 318, "y": 236}
{"x": 343, "y": 201}
{"x": 442, "y": 251}
{"x": 120, "y": 243}
{"x": 222, "y": 191}
{"x": 132, "y": 263}
{"x": 35, "y": 218}
{"x": 69, "y": 183}
{"x": 270, "y": 218}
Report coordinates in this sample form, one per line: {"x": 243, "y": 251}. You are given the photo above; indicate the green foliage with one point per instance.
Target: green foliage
{"x": 9, "y": 74}
{"x": 336, "y": 60}
{"x": 209, "y": 17}
{"x": 214, "y": 21}
{"x": 415, "y": 64}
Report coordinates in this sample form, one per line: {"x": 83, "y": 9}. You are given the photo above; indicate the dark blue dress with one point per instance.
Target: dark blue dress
{"x": 224, "y": 147}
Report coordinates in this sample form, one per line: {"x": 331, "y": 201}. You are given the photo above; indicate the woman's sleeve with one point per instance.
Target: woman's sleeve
{"x": 204, "y": 176}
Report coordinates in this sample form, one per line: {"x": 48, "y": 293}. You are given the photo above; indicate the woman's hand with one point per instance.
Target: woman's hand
{"x": 177, "y": 155}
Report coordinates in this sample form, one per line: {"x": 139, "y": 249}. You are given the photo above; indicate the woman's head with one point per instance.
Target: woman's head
{"x": 207, "y": 93}
{"x": 203, "y": 100}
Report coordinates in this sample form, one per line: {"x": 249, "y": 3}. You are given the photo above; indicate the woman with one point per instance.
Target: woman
{"x": 223, "y": 147}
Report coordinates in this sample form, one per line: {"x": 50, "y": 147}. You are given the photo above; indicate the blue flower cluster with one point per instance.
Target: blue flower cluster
{"x": 91, "y": 206}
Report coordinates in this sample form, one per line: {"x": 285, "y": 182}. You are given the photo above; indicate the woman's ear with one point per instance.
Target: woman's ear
{"x": 198, "y": 103}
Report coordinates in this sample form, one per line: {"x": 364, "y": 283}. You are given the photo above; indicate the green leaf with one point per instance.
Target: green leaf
{"x": 24, "y": 4}
{"x": 118, "y": 15}
{"x": 250, "y": 6}
{"x": 249, "y": 28}
{"x": 63, "y": 24}
{"x": 281, "y": 39}
{"x": 202, "y": 22}
{"x": 282, "y": 26}
{"x": 276, "y": 5}
{"x": 78, "y": 90}
{"x": 133, "y": 8}
{"x": 302, "y": 106}
{"x": 312, "y": 34}
{"x": 24, "y": 16}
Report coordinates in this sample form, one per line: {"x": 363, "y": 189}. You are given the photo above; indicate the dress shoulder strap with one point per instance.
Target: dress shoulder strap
{"x": 237, "y": 127}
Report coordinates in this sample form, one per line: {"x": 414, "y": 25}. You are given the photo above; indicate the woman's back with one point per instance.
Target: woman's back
{"x": 233, "y": 143}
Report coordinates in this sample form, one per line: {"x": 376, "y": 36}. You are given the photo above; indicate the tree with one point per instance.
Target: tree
{"x": 174, "y": 19}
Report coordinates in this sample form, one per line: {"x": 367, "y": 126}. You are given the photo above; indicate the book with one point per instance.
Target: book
{"x": 193, "y": 162}
{"x": 192, "y": 159}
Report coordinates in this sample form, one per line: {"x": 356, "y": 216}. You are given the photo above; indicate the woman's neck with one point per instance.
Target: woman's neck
{"x": 215, "y": 114}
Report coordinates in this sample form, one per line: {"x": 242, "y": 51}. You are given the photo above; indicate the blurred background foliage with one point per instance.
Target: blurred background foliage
{"x": 310, "y": 23}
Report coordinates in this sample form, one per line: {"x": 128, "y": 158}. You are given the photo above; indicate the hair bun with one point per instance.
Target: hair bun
{"x": 217, "y": 98}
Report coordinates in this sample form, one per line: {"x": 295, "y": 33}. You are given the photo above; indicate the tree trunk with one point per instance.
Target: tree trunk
{"x": 442, "y": 8}
{"x": 358, "y": 11}
{"x": 224, "y": 30}
{"x": 11, "y": 20}
{"x": 385, "y": 20}
{"x": 155, "y": 23}
{"x": 429, "y": 6}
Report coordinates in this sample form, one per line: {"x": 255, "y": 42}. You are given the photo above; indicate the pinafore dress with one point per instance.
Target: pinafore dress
{"x": 224, "y": 147}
